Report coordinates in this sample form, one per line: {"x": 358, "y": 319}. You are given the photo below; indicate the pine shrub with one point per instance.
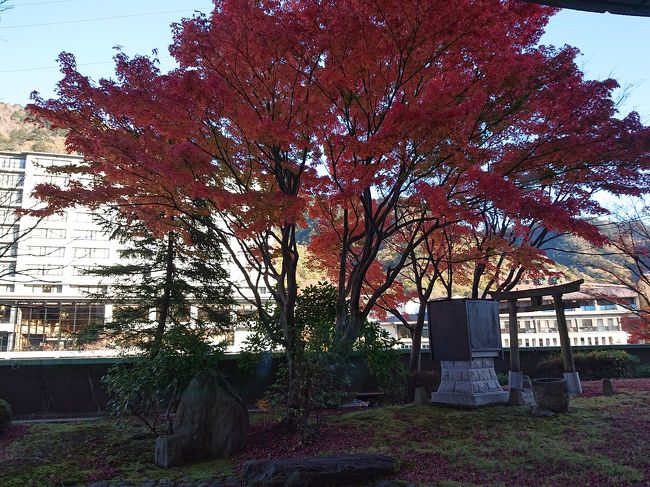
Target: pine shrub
{"x": 5, "y": 415}
{"x": 592, "y": 365}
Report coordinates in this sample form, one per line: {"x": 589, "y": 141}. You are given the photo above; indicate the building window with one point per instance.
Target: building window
{"x": 7, "y": 269}
{"x": 555, "y": 341}
{"x": 91, "y": 252}
{"x": 91, "y": 235}
{"x": 54, "y": 179}
{"x": 8, "y": 216}
{"x": 49, "y": 233}
{"x": 611, "y": 326}
{"x": 56, "y": 217}
{"x": 85, "y": 217}
{"x": 403, "y": 332}
{"x": 605, "y": 305}
{"x": 11, "y": 180}
{"x": 45, "y": 288}
{"x": 11, "y": 197}
{"x": 12, "y": 163}
{"x": 9, "y": 233}
{"x": 5, "y": 313}
{"x": 44, "y": 270}
{"x": 10, "y": 250}
{"x": 82, "y": 270}
{"x": 43, "y": 251}
{"x": 90, "y": 289}
{"x": 587, "y": 325}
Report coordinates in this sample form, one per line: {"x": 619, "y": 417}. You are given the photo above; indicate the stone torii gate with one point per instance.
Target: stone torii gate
{"x": 535, "y": 295}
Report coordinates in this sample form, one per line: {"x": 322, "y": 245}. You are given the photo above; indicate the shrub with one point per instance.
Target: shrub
{"x": 642, "y": 371}
{"x": 596, "y": 364}
{"x": 5, "y": 415}
{"x": 503, "y": 378}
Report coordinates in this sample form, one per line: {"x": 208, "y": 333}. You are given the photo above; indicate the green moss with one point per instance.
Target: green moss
{"x": 77, "y": 453}
{"x": 505, "y": 439}
{"x": 498, "y": 442}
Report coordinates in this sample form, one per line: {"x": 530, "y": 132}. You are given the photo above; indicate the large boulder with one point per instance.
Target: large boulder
{"x": 551, "y": 395}
{"x": 211, "y": 422}
{"x": 337, "y": 470}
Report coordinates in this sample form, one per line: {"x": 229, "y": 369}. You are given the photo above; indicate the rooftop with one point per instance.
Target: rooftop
{"x": 639, "y": 8}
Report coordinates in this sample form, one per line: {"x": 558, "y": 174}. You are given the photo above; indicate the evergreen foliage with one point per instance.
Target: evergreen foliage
{"x": 152, "y": 289}
{"x": 325, "y": 372}
{"x": 5, "y": 415}
{"x": 592, "y": 365}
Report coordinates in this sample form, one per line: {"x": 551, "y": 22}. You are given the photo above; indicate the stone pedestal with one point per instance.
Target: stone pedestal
{"x": 420, "y": 397}
{"x": 469, "y": 383}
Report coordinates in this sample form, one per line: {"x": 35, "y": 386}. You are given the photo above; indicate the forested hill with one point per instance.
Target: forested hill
{"x": 16, "y": 134}
{"x": 586, "y": 261}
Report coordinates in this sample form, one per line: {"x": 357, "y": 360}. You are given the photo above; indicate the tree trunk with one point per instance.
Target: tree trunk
{"x": 416, "y": 353}
{"x": 165, "y": 303}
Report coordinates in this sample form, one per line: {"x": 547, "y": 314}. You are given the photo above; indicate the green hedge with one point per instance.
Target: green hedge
{"x": 593, "y": 365}
{"x": 5, "y": 415}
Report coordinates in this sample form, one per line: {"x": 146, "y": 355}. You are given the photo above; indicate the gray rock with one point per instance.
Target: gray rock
{"x": 99, "y": 484}
{"x": 608, "y": 387}
{"x": 165, "y": 483}
{"x": 551, "y": 394}
{"x": 211, "y": 422}
{"x": 353, "y": 469}
{"x": 227, "y": 482}
{"x": 149, "y": 483}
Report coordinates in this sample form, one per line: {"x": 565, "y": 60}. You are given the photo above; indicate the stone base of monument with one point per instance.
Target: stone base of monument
{"x": 469, "y": 383}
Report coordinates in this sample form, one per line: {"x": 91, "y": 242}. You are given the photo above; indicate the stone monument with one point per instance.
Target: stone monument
{"x": 464, "y": 335}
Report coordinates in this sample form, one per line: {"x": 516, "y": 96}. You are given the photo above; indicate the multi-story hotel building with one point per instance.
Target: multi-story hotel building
{"x": 43, "y": 287}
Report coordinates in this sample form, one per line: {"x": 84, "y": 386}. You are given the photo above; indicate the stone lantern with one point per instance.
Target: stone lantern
{"x": 464, "y": 335}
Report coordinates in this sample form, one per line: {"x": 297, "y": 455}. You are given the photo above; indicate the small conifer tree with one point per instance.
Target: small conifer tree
{"x": 153, "y": 289}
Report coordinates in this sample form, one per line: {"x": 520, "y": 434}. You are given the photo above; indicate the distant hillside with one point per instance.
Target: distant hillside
{"x": 16, "y": 134}
{"x": 586, "y": 261}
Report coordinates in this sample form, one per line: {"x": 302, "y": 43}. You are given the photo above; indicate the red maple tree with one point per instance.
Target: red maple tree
{"x": 383, "y": 117}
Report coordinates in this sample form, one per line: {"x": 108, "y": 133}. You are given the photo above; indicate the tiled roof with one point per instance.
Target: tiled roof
{"x": 639, "y": 8}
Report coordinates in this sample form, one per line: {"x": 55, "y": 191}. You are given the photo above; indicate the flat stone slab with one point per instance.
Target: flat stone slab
{"x": 335, "y": 470}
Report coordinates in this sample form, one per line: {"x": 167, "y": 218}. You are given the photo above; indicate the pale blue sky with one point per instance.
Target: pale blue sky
{"x": 611, "y": 45}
